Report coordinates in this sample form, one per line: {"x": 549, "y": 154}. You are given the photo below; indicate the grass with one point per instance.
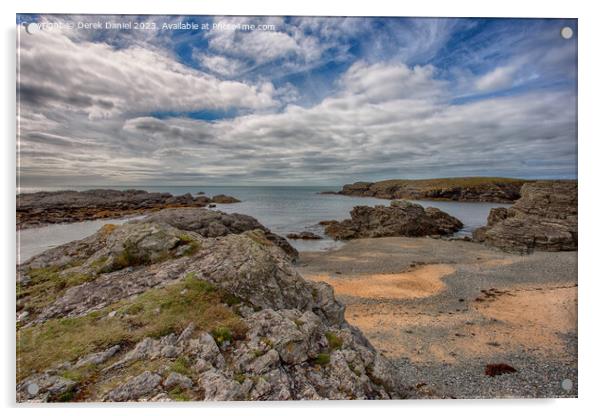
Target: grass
{"x": 334, "y": 342}
{"x": 154, "y": 313}
{"x": 178, "y": 394}
{"x": 47, "y": 284}
{"x": 181, "y": 365}
{"x": 322, "y": 359}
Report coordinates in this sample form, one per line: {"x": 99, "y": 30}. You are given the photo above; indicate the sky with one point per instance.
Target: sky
{"x": 209, "y": 100}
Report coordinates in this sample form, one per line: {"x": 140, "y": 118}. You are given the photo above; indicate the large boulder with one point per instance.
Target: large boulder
{"x": 544, "y": 218}
{"x": 402, "y": 218}
{"x": 209, "y": 223}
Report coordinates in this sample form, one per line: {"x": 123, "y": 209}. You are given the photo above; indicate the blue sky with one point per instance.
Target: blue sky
{"x": 305, "y": 101}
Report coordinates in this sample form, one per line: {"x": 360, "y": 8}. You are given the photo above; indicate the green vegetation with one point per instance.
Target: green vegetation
{"x": 222, "y": 334}
{"x": 322, "y": 359}
{"x": 152, "y": 314}
{"x": 181, "y": 365}
{"x": 438, "y": 183}
{"x": 334, "y": 342}
{"x": 178, "y": 394}
{"x": 46, "y": 285}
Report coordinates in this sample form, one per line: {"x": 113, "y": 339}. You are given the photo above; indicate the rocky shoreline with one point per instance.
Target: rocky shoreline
{"x": 189, "y": 303}
{"x": 44, "y": 208}
{"x": 471, "y": 189}
{"x": 173, "y": 308}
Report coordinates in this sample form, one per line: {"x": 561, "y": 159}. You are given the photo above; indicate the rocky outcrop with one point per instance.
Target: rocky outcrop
{"x": 43, "y": 208}
{"x": 402, "y": 218}
{"x": 544, "y": 218}
{"x": 276, "y": 335}
{"x": 303, "y": 235}
{"x": 224, "y": 199}
{"x": 210, "y": 223}
{"x": 477, "y": 189}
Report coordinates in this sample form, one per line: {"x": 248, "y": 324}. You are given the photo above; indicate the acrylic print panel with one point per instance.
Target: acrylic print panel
{"x": 292, "y": 208}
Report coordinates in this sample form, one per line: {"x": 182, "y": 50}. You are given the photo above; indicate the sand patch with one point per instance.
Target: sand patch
{"x": 421, "y": 282}
{"x": 525, "y": 319}
{"x": 537, "y": 315}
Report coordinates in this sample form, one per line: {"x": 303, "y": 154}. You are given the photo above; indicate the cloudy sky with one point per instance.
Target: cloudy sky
{"x": 304, "y": 100}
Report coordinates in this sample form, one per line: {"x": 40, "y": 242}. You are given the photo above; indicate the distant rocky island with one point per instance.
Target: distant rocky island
{"x": 469, "y": 189}
{"x": 44, "y": 208}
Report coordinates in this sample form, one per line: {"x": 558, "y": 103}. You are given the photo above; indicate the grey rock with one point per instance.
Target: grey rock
{"x": 208, "y": 223}
{"x": 143, "y": 384}
{"x": 176, "y": 379}
{"x": 402, "y": 218}
{"x": 544, "y": 218}
{"x": 98, "y": 357}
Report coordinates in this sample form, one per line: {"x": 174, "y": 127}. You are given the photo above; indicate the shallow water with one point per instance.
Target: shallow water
{"x": 282, "y": 209}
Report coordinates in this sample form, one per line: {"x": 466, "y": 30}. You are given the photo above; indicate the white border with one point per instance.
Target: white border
{"x": 590, "y": 178}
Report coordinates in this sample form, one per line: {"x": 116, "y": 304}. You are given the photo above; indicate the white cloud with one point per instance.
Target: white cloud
{"x": 103, "y": 81}
{"x": 499, "y": 78}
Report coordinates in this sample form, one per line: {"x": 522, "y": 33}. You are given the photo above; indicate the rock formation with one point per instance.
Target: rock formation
{"x": 401, "y": 218}
{"x": 148, "y": 311}
{"x": 303, "y": 235}
{"x": 475, "y": 189}
{"x": 216, "y": 224}
{"x": 43, "y": 208}
{"x": 544, "y": 218}
{"x": 224, "y": 199}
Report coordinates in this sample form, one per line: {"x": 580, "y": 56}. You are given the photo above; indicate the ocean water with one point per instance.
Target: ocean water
{"x": 282, "y": 209}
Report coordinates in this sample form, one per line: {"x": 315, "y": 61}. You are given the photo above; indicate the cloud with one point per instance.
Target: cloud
{"x": 103, "y": 81}
{"x": 499, "y": 78}
{"x": 115, "y": 116}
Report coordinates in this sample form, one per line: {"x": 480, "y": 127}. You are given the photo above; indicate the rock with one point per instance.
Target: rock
{"x": 224, "y": 199}
{"x": 144, "y": 384}
{"x": 402, "y": 218}
{"x": 97, "y": 358}
{"x": 43, "y": 208}
{"x": 209, "y": 223}
{"x": 176, "y": 379}
{"x": 218, "y": 387}
{"x": 481, "y": 189}
{"x": 304, "y": 235}
{"x": 544, "y": 218}
{"x": 292, "y": 341}
{"x": 327, "y": 222}
{"x": 43, "y": 387}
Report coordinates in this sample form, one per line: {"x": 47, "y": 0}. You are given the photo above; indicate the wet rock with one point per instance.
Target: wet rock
{"x": 402, "y": 218}
{"x": 303, "y": 235}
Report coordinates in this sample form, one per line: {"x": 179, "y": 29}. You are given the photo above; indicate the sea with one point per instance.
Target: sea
{"x": 283, "y": 209}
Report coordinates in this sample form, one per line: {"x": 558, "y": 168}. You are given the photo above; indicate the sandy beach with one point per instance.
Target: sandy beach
{"x": 444, "y": 310}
